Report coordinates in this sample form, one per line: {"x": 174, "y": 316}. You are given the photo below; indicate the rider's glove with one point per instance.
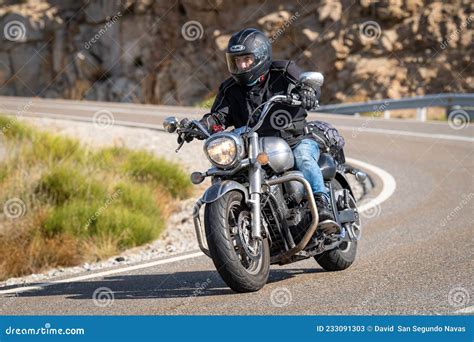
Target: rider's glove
{"x": 185, "y": 137}
{"x": 308, "y": 97}
{"x": 185, "y": 123}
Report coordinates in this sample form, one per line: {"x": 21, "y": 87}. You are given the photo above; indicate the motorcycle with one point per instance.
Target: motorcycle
{"x": 259, "y": 210}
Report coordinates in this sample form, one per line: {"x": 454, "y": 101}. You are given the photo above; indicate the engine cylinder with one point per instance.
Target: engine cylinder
{"x": 294, "y": 190}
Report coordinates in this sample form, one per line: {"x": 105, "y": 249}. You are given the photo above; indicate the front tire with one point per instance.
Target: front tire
{"x": 242, "y": 263}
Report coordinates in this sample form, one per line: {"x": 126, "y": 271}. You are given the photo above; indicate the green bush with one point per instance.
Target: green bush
{"x": 12, "y": 129}
{"x": 53, "y": 148}
{"x": 82, "y": 203}
{"x": 64, "y": 182}
{"x": 144, "y": 167}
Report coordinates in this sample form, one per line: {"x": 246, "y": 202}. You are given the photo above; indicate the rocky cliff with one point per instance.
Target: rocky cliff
{"x": 172, "y": 52}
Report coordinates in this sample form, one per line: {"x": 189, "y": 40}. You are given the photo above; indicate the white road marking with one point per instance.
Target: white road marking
{"x": 104, "y": 273}
{"x": 467, "y": 310}
{"x": 388, "y": 183}
{"x": 388, "y": 189}
{"x": 408, "y": 133}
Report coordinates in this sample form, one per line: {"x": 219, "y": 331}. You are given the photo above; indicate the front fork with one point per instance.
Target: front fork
{"x": 255, "y": 180}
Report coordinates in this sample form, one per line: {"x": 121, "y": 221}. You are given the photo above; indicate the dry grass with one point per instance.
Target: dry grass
{"x": 78, "y": 204}
{"x": 25, "y": 250}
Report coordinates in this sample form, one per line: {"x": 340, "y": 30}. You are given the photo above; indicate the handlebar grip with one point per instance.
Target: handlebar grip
{"x": 293, "y": 99}
{"x": 184, "y": 122}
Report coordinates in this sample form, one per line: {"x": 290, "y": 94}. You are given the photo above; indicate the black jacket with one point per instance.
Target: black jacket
{"x": 234, "y": 104}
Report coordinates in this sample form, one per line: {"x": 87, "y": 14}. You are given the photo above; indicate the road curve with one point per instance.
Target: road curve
{"x": 416, "y": 250}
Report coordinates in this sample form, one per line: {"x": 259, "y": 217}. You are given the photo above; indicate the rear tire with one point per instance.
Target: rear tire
{"x": 340, "y": 258}
{"x": 243, "y": 266}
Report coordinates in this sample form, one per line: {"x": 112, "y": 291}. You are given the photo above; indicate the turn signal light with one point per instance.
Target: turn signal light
{"x": 197, "y": 177}
{"x": 262, "y": 158}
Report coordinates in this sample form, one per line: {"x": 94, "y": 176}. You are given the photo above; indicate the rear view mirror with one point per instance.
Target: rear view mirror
{"x": 170, "y": 124}
{"x": 312, "y": 79}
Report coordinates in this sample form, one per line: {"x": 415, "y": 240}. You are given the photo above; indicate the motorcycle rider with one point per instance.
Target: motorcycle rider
{"x": 256, "y": 78}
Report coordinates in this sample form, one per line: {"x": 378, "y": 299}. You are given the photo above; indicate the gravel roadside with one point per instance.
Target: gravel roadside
{"x": 179, "y": 235}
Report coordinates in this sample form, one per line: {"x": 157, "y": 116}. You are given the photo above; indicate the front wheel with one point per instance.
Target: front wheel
{"x": 242, "y": 262}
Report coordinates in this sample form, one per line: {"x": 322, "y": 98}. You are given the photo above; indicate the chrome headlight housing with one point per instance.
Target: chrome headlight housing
{"x": 224, "y": 150}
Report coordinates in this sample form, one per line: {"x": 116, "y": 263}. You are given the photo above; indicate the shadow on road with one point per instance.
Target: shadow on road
{"x": 172, "y": 285}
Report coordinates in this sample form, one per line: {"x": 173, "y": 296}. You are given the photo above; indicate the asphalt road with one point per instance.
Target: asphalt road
{"x": 415, "y": 256}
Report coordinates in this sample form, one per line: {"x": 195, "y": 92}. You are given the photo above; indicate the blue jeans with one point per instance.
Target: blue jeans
{"x": 306, "y": 155}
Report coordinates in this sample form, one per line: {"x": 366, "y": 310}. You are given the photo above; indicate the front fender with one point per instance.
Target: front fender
{"x": 219, "y": 189}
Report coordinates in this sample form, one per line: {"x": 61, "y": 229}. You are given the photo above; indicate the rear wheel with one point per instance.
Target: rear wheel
{"x": 243, "y": 263}
{"x": 342, "y": 256}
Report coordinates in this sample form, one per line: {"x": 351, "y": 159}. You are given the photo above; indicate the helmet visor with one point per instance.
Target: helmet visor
{"x": 238, "y": 64}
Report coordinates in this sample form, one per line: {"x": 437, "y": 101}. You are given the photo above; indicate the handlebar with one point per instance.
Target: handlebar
{"x": 289, "y": 99}
{"x": 188, "y": 129}
{"x": 194, "y": 129}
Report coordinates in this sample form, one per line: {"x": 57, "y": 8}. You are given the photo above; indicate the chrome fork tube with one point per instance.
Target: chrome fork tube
{"x": 255, "y": 180}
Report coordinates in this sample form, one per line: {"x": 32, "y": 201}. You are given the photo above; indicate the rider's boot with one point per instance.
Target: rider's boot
{"x": 324, "y": 208}
{"x": 327, "y": 223}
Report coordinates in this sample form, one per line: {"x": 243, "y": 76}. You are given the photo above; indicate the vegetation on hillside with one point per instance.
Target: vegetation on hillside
{"x": 62, "y": 203}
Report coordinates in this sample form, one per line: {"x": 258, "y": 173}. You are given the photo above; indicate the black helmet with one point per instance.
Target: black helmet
{"x": 249, "y": 56}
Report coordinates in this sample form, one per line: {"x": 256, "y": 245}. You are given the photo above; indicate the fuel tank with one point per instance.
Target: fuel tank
{"x": 280, "y": 155}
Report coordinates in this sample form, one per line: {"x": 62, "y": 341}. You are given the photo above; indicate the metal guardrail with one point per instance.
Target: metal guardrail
{"x": 449, "y": 101}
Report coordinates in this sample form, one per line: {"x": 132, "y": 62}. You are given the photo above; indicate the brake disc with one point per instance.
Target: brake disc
{"x": 251, "y": 246}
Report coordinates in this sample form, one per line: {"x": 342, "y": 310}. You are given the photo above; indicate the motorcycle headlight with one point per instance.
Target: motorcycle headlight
{"x": 223, "y": 150}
